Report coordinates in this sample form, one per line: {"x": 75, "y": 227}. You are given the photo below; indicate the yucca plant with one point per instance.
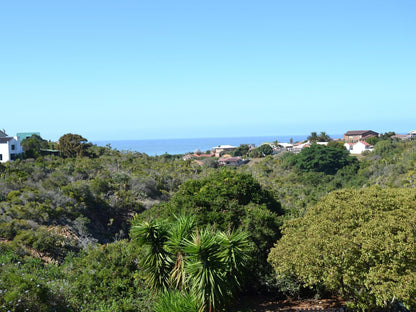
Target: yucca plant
{"x": 206, "y": 268}
{"x": 179, "y": 233}
{"x": 235, "y": 248}
{"x": 157, "y": 262}
{"x": 203, "y": 263}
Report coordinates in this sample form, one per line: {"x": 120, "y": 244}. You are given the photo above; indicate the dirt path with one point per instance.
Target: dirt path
{"x": 258, "y": 304}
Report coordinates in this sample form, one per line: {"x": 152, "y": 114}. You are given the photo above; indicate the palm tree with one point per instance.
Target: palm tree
{"x": 313, "y": 138}
{"x": 323, "y": 137}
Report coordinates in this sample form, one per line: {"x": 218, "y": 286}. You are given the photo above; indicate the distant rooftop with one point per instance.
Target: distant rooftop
{"x": 25, "y": 135}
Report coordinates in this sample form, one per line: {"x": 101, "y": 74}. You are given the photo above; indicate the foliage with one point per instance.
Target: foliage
{"x": 336, "y": 144}
{"x": 229, "y": 200}
{"x": 106, "y": 278}
{"x": 322, "y": 137}
{"x": 360, "y": 243}
{"x": 207, "y": 263}
{"x": 32, "y": 146}
{"x": 242, "y": 150}
{"x": 265, "y": 149}
{"x": 28, "y": 285}
{"x": 56, "y": 205}
{"x": 176, "y": 301}
{"x": 72, "y": 145}
{"x": 321, "y": 158}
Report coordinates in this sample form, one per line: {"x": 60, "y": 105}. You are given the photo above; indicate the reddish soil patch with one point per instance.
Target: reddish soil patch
{"x": 256, "y": 304}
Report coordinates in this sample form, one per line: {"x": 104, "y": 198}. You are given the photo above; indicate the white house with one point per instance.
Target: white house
{"x": 9, "y": 148}
{"x": 349, "y": 146}
{"x": 360, "y": 147}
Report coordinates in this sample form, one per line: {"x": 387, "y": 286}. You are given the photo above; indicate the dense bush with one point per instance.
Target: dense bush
{"x": 358, "y": 243}
{"x": 320, "y": 158}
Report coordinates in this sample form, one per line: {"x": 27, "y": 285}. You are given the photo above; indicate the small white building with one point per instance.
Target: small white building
{"x": 10, "y": 148}
{"x": 359, "y": 147}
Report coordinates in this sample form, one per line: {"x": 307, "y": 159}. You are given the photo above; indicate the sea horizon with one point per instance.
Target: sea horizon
{"x": 155, "y": 147}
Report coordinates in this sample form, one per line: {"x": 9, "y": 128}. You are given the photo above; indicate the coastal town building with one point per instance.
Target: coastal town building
{"x": 354, "y": 136}
{"x": 358, "y": 147}
{"x": 230, "y": 161}
{"x": 221, "y": 149}
{"x": 10, "y": 147}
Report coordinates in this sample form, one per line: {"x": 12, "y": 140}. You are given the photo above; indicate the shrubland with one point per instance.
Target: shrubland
{"x": 65, "y": 224}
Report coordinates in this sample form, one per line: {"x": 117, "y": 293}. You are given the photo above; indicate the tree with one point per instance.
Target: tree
{"x": 265, "y": 149}
{"x": 360, "y": 244}
{"x": 319, "y": 158}
{"x": 208, "y": 263}
{"x": 313, "y": 138}
{"x": 72, "y": 145}
{"x": 336, "y": 144}
{"x": 242, "y": 150}
{"x": 322, "y": 137}
{"x": 32, "y": 146}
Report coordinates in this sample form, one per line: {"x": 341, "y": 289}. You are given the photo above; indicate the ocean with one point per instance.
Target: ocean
{"x": 183, "y": 146}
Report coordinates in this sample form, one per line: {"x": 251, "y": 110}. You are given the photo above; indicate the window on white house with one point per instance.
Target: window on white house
{"x": 1, "y": 157}
{"x": 13, "y": 147}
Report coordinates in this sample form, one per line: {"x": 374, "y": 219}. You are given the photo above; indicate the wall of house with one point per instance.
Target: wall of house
{"x": 358, "y": 148}
{"x": 7, "y": 151}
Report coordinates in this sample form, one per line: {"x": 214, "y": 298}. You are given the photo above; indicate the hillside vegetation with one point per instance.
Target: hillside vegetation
{"x": 65, "y": 227}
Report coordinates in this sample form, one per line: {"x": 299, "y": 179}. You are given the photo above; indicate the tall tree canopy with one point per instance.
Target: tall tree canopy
{"x": 72, "y": 145}
{"x": 360, "y": 243}
{"x": 320, "y": 158}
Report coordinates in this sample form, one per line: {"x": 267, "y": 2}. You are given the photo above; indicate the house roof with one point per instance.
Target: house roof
{"x": 5, "y": 140}
{"x": 230, "y": 159}
{"x": 359, "y": 132}
{"x": 224, "y": 146}
{"x": 363, "y": 142}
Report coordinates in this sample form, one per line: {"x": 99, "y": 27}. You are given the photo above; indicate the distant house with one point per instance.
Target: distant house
{"x": 361, "y": 146}
{"x": 9, "y": 147}
{"x": 358, "y": 135}
{"x": 230, "y": 161}
{"x": 223, "y": 148}
{"x": 194, "y": 156}
{"x": 400, "y": 137}
{"x": 412, "y": 134}
{"x": 25, "y": 135}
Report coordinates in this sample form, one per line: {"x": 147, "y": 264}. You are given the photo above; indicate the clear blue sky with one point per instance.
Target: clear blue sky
{"x": 124, "y": 69}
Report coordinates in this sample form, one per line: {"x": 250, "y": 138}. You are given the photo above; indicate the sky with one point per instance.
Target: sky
{"x": 141, "y": 69}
